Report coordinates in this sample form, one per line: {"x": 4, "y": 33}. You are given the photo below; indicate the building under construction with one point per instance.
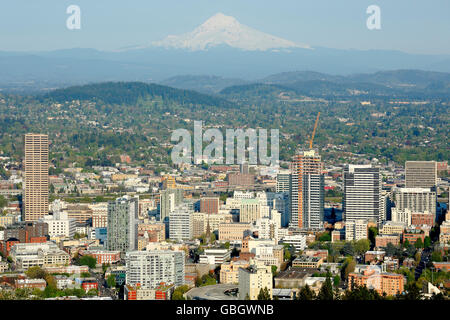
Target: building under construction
{"x": 307, "y": 188}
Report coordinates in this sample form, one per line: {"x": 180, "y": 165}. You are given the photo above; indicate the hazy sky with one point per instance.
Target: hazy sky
{"x": 415, "y": 26}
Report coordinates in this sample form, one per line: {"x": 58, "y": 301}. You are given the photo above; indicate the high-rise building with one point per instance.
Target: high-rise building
{"x": 36, "y": 176}
{"x": 244, "y": 168}
{"x": 169, "y": 199}
{"x": 306, "y": 190}
{"x": 283, "y": 182}
{"x": 249, "y": 210}
{"x": 362, "y": 191}
{"x": 420, "y": 174}
{"x": 313, "y": 200}
{"x": 123, "y": 215}
{"x": 209, "y": 204}
{"x": 181, "y": 223}
{"x": 149, "y": 268}
{"x": 415, "y": 199}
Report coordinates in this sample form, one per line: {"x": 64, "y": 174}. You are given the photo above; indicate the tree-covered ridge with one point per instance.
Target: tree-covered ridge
{"x": 129, "y": 93}
{"x": 96, "y": 132}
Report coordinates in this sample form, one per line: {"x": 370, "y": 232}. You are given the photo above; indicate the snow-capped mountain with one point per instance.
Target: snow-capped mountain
{"x": 226, "y": 30}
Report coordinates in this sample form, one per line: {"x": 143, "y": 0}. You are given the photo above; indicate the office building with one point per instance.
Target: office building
{"x": 249, "y": 210}
{"x": 283, "y": 182}
{"x": 36, "y": 176}
{"x": 209, "y": 204}
{"x": 313, "y": 200}
{"x": 420, "y": 174}
{"x": 362, "y": 191}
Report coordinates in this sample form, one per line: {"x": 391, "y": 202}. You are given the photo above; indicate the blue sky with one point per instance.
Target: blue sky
{"x": 414, "y": 26}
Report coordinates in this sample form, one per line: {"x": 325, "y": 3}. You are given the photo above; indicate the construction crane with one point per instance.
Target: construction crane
{"x": 314, "y": 131}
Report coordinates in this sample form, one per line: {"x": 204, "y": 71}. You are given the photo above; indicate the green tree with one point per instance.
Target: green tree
{"x": 373, "y": 232}
{"x": 36, "y": 273}
{"x": 336, "y": 280}
{"x": 264, "y": 294}
{"x": 105, "y": 267}
{"x": 89, "y": 261}
{"x": 179, "y": 291}
{"x": 427, "y": 242}
{"x": 326, "y": 291}
{"x": 326, "y": 236}
{"x": 348, "y": 267}
{"x": 412, "y": 292}
{"x": 361, "y": 293}
{"x": 111, "y": 281}
{"x": 419, "y": 243}
{"x": 274, "y": 271}
{"x": 361, "y": 246}
{"x": 306, "y": 293}
{"x": 406, "y": 243}
{"x": 348, "y": 249}
{"x": 3, "y": 202}
{"x": 436, "y": 256}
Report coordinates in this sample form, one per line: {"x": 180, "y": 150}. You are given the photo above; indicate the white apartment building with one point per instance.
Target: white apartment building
{"x": 401, "y": 215}
{"x": 215, "y": 256}
{"x": 298, "y": 241}
{"x": 59, "y": 224}
{"x": 356, "y": 230}
{"x": 415, "y": 199}
{"x": 150, "y": 268}
{"x": 181, "y": 223}
{"x": 253, "y": 279}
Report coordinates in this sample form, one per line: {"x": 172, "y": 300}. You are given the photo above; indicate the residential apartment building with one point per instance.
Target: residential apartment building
{"x": 181, "y": 223}
{"x": 149, "y": 268}
{"x": 59, "y": 224}
{"x": 415, "y": 199}
{"x": 122, "y": 231}
{"x": 356, "y": 230}
{"x": 229, "y": 271}
{"x": 306, "y": 190}
{"x": 252, "y": 280}
{"x": 389, "y": 283}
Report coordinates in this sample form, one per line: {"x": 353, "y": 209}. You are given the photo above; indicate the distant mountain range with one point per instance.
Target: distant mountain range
{"x": 397, "y": 81}
{"x": 222, "y": 48}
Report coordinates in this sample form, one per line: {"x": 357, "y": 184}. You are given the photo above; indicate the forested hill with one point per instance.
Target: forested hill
{"x": 129, "y": 93}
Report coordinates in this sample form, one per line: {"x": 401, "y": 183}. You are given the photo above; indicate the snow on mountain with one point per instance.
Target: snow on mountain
{"x": 226, "y": 30}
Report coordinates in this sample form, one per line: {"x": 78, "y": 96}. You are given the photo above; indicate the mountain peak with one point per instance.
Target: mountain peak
{"x": 221, "y": 29}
